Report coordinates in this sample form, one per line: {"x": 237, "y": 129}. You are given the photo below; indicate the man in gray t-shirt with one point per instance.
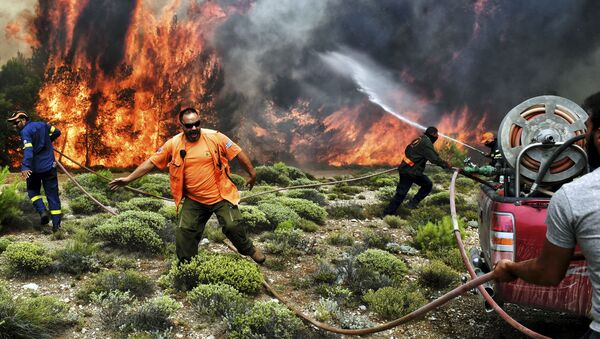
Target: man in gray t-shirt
{"x": 573, "y": 218}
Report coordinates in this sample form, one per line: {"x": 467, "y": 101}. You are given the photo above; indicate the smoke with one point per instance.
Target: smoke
{"x": 486, "y": 55}
{"x": 14, "y": 37}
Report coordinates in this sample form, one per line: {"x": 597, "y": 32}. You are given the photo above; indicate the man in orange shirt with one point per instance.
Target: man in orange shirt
{"x": 198, "y": 161}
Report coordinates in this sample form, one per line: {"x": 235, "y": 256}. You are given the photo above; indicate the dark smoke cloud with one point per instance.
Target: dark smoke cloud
{"x": 453, "y": 55}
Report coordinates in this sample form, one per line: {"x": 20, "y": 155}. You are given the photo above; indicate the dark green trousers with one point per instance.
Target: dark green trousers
{"x": 192, "y": 220}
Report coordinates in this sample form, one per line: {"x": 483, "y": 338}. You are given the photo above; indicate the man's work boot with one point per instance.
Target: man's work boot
{"x": 258, "y": 256}
{"x": 44, "y": 218}
{"x": 55, "y": 228}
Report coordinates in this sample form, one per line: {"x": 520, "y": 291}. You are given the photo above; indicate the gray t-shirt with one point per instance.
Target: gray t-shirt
{"x": 574, "y": 217}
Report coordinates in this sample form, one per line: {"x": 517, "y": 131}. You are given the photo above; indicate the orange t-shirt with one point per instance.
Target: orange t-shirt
{"x": 199, "y": 179}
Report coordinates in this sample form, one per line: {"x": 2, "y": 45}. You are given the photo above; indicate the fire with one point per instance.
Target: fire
{"x": 384, "y": 141}
{"x": 117, "y": 106}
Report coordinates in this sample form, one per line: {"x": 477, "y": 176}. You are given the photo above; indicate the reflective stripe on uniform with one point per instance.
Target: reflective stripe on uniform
{"x": 54, "y": 212}
{"x": 52, "y": 129}
{"x": 37, "y": 197}
{"x": 28, "y": 145}
{"x": 408, "y": 161}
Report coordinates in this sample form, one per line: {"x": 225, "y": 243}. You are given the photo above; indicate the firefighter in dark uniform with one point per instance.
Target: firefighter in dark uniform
{"x": 490, "y": 141}
{"x": 39, "y": 166}
{"x": 416, "y": 155}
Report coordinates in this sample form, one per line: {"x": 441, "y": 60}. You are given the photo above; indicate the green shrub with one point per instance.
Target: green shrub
{"x": 353, "y": 211}
{"x": 277, "y": 213}
{"x": 325, "y": 273}
{"x": 218, "y": 300}
{"x": 466, "y": 185}
{"x": 133, "y": 231}
{"x": 141, "y": 204}
{"x": 254, "y": 219}
{"x": 250, "y": 198}
{"x": 424, "y": 214}
{"x": 137, "y": 284}
{"x": 155, "y": 183}
{"x": 374, "y": 210}
{"x": 290, "y": 171}
{"x": 77, "y": 257}
{"x": 383, "y": 181}
{"x": 213, "y": 233}
{"x": 339, "y": 238}
{"x": 4, "y": 242}
{"x": 394, "y": 302}
{"x": 442, "y": 199}
{"x": 374, "y": 269}
{"x": 270, "y": 176}
{"x": 307, "y": 225}
{"x": 239, "y": 181}
{"x": 308, "y": 194}
{"x": 285, "y": 241}
{"x": 450, "y": 257}
{"x": 121, "y": 313}
{"x": 438, "y": 275}
{"x": 395, "y": 221}
{"x": 82, "y": 204}
{"x": 304, "y": 182}
{"x": 376, "y": 239}
{"x": 268, "y": 319}
{"x": 26, "y": 258}
{"x": 32, "y": 317}
{"x": 91, "y": 182}
{"x": 169, "y": 212}
{"x": 10, "y": 199}
{"x": 439, "y": 236}
{"x": 304, "y": 208}
{"x": 386, "y": 193}
{"x": 212, "y": 268}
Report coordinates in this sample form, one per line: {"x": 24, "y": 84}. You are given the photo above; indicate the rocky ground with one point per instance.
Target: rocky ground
{"x": 463, "y": 317}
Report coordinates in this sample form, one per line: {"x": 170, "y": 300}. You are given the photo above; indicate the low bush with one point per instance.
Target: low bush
{"x": 386, "y": 193}
{"x": 285, "y": 241}
{"x": 137, "y": 284}
{"x": 254, "y": 197}
{"x": 308, "y": 194}
{"x": 268, "y": 319}
{"x": 442, "y": 199}
{"x": 339, "y": 238}
{"x": 212, "y": 268}
{"x": 82, "y": 204}
{"x": 439, "y": 236}
{"x": 395, "y": 221}
{"x": 325, "y": 273}
{"x": 77, "y": 257}
{"x": 254, "y": 219}
{"x": 91, "y": 182}
{"x": 238, "y": 180}
{"x": 133, "y": 231}
{"x": 4, "y": 242}
{"x": 344, "y": 188}
{"x": 10, "y": 199}
{"x": 141, "y": 204}
{"x": 307, "y": 225}
{"x": 155, "y": 183}
{"x": 383, "y": 181}
{"x": 394, "y": 302}
{"x": 271, "y": 176}
{"x": 437, "y": 275}
{"x": 218, "y": 300}
{"x": 353, "y": 211}
{"x": 304, "y": 208}
{"x": 277, "y": 213}
{"x": 376, "y": 239}
{"x": 32, "y": 317}
{"x": 213, "y": 233}
{"x": 24, "y": 258}
{"x": 424, "y": 214}
{"x": 374, "y": 269}
{"x": 121, "y": 313}
{"x": 290, "y": 171}
{"x": 450, "y": 257}
{"x": 169, "y": 212}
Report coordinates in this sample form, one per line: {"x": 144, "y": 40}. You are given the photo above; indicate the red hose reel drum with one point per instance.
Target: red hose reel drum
{"x": 544, "y": 119}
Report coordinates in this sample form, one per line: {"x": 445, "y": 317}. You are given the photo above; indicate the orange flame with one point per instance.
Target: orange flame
{"x": 119, "y": 119}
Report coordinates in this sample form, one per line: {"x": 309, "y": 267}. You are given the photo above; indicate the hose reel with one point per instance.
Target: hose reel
{"x": 529, "y": 131}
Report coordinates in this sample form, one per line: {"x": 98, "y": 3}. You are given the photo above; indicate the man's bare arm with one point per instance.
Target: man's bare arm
{"x": 247, "y": 164}
{"x": 547, "y": 269}
{"x": 140, "y": 171}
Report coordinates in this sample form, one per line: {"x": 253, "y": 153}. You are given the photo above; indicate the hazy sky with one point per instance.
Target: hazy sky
{"x": 9, "y": 12}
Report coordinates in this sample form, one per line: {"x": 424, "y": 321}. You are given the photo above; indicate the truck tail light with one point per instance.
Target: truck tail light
{"x": 503, "y": 230}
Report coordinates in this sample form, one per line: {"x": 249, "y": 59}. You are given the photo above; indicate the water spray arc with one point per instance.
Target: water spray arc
{"x": 373, "y": 84}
